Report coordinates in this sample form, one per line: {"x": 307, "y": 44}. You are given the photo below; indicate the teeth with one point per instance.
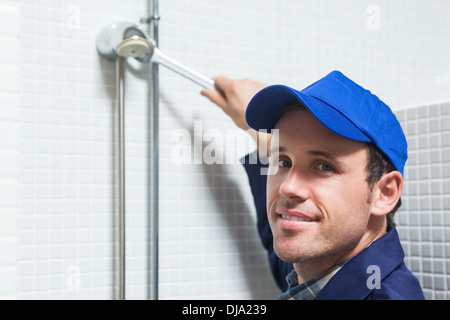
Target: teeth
{"x": 294, "y": 218}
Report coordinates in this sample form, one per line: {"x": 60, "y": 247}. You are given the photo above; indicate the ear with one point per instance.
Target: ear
{"x": 386, "y": 193}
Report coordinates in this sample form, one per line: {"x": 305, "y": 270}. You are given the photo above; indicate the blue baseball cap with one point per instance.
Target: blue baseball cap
{"x": 342, "y": 106}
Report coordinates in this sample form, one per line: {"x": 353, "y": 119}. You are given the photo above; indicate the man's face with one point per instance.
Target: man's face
{"x": 317, "y": 199}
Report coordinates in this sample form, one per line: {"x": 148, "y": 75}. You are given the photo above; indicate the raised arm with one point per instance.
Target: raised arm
{"x": 233, "y": 97}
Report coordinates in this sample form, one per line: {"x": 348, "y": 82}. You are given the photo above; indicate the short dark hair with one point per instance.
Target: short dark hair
{"x": 377, "y": 165}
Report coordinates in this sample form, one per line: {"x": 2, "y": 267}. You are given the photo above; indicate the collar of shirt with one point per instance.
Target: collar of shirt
{"x": 308, "y": 290}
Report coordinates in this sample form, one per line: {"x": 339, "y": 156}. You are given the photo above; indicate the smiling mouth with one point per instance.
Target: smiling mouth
{"x": 295, "y": 218}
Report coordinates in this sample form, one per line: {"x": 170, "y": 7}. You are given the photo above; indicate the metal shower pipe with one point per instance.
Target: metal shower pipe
{"x": 154, "y": 23}
{"x": 120, "y": 98}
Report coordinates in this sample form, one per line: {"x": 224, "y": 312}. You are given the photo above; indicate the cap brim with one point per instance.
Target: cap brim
{"x": 263, "y": 112}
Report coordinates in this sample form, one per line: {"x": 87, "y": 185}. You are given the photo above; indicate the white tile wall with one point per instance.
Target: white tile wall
{"x": 67, "y": 221}
{"x": 424, "y": 220}
{"x": 57, "y": 165}
{"x": 9, "y": 149}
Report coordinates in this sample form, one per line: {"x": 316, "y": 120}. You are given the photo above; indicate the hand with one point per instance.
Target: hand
{"x": 235, "y": 96}
{"x": 233, "y": 99}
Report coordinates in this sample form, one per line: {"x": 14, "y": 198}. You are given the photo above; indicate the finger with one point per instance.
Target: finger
{"x": 215, "y": 97}
{"x": 223, "y": 82}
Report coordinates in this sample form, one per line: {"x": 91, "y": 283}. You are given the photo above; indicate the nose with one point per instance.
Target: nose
{"x": 295, "y": 186}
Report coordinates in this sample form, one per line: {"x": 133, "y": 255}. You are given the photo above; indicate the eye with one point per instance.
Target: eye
{"x": 325, "y": 167}
{"x": 284, "y": 163}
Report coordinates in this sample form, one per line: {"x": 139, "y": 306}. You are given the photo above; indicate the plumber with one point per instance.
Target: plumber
{"x": 325, "y": 209}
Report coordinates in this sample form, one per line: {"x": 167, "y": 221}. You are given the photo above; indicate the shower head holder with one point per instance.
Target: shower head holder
{"x": 125, "y": 40}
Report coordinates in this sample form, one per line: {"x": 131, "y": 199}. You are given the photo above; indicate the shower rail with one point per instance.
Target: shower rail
{"x": 118, "y": 42}
{"x": 120, "y": 98}
{"x": 154, "y": 23}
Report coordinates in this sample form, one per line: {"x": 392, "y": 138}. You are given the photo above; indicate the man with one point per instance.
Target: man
{"x": 334, "y": 184}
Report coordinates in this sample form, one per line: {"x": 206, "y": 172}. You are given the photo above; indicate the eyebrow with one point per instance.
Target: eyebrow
{"x": 318, "y": 153}
{"x": 324, "y": 154}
